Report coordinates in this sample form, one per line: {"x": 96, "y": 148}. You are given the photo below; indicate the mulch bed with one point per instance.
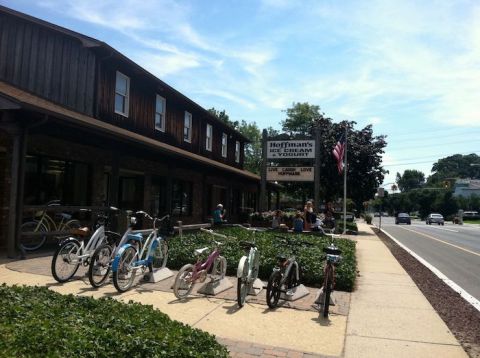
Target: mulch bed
{"x": 460, "y": 316}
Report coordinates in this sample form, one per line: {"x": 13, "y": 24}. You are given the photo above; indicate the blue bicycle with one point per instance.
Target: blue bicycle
{"x": 138, "y": 254}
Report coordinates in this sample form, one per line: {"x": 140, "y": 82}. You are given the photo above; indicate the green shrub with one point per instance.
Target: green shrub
{"x": 311, "y": 258}
{"x": 39, "y": 322}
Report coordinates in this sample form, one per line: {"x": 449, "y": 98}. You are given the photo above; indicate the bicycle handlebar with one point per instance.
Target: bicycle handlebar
{"x": 211, "y": 232}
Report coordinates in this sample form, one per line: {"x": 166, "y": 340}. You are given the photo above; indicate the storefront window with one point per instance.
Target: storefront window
{"x": 182, "y": 198}
{"x": 49, "y": 179}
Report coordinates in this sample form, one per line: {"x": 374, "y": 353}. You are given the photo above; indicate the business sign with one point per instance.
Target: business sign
{"x": 290, "y": 173}
{"x": 288, "y": 149}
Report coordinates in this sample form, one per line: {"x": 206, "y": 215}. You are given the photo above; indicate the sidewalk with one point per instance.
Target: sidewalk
{"x": 387, "y": 316}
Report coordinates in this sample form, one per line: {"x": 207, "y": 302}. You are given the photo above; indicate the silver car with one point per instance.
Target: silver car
{"x": 435, "y": 219}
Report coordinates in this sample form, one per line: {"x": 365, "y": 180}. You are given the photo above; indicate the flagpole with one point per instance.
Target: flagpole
{"x": 345, "y": 186}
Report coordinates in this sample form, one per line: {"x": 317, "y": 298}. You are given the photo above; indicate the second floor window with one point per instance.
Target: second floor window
{"x": 237, "y": 152}
{"x": 224, "y": 145}
{"x": 187, "y": 127}
{"x": 208, "y": 141}
{"x": 160, "y": 113}
{"x": 122, "y": 92}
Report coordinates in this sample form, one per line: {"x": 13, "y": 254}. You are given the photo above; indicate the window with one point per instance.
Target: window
{"x": 224, "y": 145}
{"x": 182, "y": 198}
{"x": 122, "y": 92}
{"x": 160, "y": 113}
{"x": 208, "y": 141}
{"x": 49, "y": 178}
{"x": 187, "y": 127}
{"x": 237, "y": 152}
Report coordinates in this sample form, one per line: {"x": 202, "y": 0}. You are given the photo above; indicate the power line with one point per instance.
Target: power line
{"x": 439, "y": 156}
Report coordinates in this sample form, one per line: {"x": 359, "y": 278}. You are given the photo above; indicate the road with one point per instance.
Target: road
{"x": 452, "y": 249}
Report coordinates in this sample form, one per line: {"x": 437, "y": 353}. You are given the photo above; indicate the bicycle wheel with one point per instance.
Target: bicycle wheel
{"x": 99, "y": 267}
{"x": 30, "y": 243}
{"x": 219, "y": 269}
{"x": 65, "y": 261}
{"x": 327, "y": 290}
{"x": 273, "y": 289}
{"x": 124, "y": 275}
{"x": 242, "y": 282}
{"x": 161, "y": 254}
{"x": 183, "y": 282}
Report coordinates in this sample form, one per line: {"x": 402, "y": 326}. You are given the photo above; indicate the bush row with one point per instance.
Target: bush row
{"x": 39, "y": 322}
{"x": 311, "y": 258}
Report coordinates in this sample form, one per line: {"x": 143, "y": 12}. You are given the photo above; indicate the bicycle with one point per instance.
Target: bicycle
{"x": 101, "y": 261}
{"x": 332, "y": 259}
{"x": 44, "y": 224}
{"x": 285, "y": 276}
{"x": 138, "y": 254}
{"x": 73, "y": 252}
{"x": 247, "y": 271}
{"x": 190, "y": 274}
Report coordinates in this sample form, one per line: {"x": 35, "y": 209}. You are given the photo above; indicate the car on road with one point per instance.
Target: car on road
{"x": 403, "y": 218}
{"x": 435, "y": 219}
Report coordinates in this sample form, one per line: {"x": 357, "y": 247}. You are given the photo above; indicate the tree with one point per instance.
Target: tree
{"x": 300, "y": 118}
{"x": 411, "y": 179}
{"x": 454, "y": 166}
{"x": 253, "y": 150}
{"x": 223, "y": 116}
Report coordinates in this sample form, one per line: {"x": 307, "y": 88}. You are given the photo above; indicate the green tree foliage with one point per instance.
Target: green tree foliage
{"x": 223, "y": 116}
{"x": 454, "y": 166}
{"x": 411, "y": 179}
{"x": 300, "y": 118}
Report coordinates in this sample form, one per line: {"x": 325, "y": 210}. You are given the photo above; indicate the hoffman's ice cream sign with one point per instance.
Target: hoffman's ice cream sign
{"x": 280, "y": 149}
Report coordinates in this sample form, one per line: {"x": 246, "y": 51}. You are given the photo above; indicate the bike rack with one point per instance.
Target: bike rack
{"x": 213, "y": 288}
{"x": 297, "y": 293}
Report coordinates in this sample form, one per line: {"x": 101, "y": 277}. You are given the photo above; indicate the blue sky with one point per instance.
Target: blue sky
{"x": 410, "y": 68}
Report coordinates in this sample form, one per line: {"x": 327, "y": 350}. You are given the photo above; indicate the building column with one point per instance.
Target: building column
{"x": 17, "y": 166}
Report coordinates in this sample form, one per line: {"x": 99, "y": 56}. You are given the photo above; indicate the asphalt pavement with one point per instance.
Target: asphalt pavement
{"x": 454, "y": 250}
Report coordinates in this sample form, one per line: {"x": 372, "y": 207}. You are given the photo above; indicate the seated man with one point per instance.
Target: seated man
{"x": 218, "y": 215}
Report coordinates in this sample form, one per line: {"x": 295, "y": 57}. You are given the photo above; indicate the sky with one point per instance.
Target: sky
{"x": 409, "y": 68}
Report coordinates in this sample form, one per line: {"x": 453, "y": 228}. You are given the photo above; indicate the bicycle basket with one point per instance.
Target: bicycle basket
{"x": 166, "y": 228}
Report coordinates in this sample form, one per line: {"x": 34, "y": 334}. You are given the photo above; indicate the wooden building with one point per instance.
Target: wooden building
{"x": 82, "y": 123}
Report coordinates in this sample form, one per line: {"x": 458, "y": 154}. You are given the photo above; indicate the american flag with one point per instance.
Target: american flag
{"x": 338, "y": 152}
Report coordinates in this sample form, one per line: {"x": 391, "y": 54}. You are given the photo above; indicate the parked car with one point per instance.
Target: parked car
{"x": 435, "y": 219}
{"x": 403, "y": 218}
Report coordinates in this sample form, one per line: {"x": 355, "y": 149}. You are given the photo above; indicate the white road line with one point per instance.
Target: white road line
{"x": 466, "y": 296}
{"x": 441, "y": 228}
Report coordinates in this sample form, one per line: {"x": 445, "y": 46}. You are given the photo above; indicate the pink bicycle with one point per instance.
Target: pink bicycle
{"x": 190, "y": 274}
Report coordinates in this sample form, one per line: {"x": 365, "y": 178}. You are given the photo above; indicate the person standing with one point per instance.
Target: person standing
{"x": 308, "y": 215}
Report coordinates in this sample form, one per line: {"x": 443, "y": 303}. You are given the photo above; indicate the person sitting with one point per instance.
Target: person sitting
{"x": 218, "y": 215}
{"x": 298, "y": 223}
{"x": 277, "y": 219}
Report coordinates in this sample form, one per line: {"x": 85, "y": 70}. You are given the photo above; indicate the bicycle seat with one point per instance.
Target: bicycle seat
{"x": 247, "y": 245}
{"x": 200, "y": 251}
{"x": 81, "y": 231}
{"x": 135, "y": 237}
{"x": 282, "y": 258}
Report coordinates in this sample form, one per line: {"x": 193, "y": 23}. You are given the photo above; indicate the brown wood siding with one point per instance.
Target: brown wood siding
{"x": 51, "y": 65}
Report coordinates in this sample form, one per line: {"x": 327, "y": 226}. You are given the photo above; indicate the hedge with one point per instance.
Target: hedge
{"x": 311, "y": 258}
{"x": 39, "y": 322}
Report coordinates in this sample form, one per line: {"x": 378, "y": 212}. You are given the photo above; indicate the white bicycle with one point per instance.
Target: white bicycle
{"x": 247, "y": 271}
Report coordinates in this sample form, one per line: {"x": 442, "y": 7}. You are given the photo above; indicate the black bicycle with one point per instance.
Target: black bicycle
{"x": 286, "y": 274}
